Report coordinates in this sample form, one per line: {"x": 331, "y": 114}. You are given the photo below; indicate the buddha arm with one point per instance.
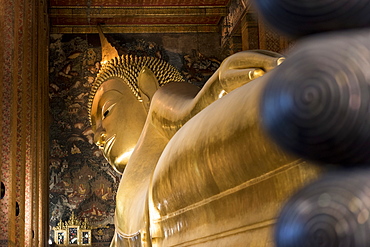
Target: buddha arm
{"x": 186, "y": 101}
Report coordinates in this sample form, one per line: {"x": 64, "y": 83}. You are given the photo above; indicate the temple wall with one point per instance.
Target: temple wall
{"x": 244, "y": 29}
{"x": 23, "y": 123}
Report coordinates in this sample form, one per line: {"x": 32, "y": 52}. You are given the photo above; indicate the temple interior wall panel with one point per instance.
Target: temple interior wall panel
{"x": 24, "y": 120}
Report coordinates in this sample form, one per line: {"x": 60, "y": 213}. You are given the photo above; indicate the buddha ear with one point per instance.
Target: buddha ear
{"x": 148, "y": 85}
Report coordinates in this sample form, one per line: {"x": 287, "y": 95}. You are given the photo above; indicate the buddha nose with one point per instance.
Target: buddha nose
{"x": 100, "y": 138}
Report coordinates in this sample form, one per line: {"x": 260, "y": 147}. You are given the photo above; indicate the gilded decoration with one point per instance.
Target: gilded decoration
{"x": 73, "y": 232}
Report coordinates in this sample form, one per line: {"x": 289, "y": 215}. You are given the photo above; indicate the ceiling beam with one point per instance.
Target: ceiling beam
{"x": 65, "y": 29}
{"x": 179, "y": 19}
{"x": 114, "y": 12}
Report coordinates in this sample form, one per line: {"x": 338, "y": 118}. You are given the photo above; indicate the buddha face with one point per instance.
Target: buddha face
{"x": 117, "y": 121}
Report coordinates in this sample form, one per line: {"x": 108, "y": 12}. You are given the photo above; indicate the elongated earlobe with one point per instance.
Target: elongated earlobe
{"x": 148, "y": 85}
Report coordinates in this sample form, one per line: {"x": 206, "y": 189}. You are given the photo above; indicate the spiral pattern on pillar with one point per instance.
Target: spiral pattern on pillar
{"x": 332, "y": 211}
{"x": 317, "y": 103}
{"x": 303, "y": 17}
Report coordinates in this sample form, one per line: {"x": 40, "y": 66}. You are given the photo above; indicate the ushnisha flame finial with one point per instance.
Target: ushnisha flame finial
{"x": 108, "y": 51}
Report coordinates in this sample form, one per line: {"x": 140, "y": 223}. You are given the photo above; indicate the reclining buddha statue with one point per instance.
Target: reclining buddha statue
{"x": 197, "y": 167}
{"x": 214, "y": 166}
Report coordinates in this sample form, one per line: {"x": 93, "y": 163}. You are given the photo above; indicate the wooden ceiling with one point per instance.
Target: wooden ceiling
{"x": 136, "y": 16}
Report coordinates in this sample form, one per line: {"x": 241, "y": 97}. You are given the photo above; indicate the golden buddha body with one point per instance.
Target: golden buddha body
{"x": 198, "y": 170}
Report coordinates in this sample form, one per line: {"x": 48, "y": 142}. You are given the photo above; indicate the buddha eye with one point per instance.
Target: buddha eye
{"x": 107, "y": 111}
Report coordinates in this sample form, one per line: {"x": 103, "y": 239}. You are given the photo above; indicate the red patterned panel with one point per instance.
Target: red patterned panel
{"x": 28, "y": 120}
{"x": 5, "y": 165}
{"x": 138, "y": 21}
{"x": 19, "y": 125}
{"x": 139, "y": 3}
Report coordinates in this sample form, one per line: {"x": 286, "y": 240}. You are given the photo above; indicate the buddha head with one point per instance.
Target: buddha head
{"x": 119, "y": 103}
